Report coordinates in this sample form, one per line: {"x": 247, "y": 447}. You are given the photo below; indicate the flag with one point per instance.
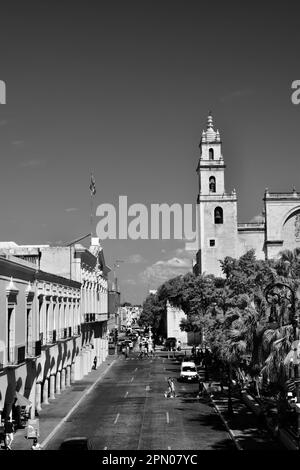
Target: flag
{"x": 93, "y": 186}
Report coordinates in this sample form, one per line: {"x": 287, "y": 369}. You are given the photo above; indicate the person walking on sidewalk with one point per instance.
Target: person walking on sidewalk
{"x": 36, "y": 445}
{"x": 9, "y": 433}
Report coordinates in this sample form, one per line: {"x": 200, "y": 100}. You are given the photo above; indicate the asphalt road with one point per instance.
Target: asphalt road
{"x": 127, "y": 410}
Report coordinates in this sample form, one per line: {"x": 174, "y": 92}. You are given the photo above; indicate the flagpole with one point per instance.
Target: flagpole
{"x": 91, "y": 219}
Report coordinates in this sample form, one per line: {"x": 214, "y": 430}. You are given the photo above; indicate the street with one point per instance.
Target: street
{"x": 127, "y": 410}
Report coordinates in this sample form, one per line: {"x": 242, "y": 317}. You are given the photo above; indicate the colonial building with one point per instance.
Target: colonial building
{"x": 88, "y": 268}
{"x": 39, "y": 335}
{"x": 218, "y": 230}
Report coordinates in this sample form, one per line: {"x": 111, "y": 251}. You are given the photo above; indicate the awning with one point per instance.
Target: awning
{"x": 22, "y": 401}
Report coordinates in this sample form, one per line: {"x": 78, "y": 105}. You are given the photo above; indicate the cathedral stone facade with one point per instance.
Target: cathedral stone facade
{"x": 219, "y": 233}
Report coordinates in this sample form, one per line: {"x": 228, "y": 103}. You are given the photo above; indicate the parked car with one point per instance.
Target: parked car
{"x": 188, "y": 372}
{"x": 76, "y": 443}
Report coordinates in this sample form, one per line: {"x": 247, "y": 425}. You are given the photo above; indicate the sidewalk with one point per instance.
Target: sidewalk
{"x": 243, "y": 426}
{"x": 52, "y": 415}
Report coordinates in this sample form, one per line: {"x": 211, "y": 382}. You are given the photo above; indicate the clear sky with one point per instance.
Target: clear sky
{"x": 123, "y": 89}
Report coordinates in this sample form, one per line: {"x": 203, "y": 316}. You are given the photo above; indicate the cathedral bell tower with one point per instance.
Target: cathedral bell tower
{"x": 217, "y": 210}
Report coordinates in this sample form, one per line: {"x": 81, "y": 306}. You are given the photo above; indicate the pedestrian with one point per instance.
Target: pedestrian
{"x": 201, "y": 388}
{"x": 179, "y": 345}
{"x": 95, "y": 363}
{"x": 172, "y": 394}
{"x": 9, "y": 433}
{"x": 126, "y": 351}
{"x": 36, "y": 445}
{"x": 169, "y": 391}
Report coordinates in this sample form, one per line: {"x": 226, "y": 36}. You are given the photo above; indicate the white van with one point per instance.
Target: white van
{"x": 188, "y": 372}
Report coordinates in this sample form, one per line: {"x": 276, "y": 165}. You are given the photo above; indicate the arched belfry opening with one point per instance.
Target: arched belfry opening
{"x": 212, "y": 184}
{"x": 219, "y": 218}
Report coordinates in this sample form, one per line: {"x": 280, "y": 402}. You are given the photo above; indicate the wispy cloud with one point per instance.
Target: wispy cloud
{"x": 34, "y": 163}
{"x": 136, "y": 259}
{"x": 18, "y": 143}
{"x": 71, "y": 209}
{"x": 234, "y": 95}
{"x": 163, "y": 270}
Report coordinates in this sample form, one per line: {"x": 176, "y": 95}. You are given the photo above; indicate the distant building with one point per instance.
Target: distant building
{"x": 170, "y": 326}
{"x": 129, "y": 316}
{"x": 219, "y": 233}
{"x": 113, "y": 307}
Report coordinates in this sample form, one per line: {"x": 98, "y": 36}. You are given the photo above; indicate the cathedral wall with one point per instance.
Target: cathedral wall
{"x": 283, "y": 225}
{"x": 251, "y": 240}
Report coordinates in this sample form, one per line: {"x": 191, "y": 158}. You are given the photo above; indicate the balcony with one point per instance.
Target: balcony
{"x": 51, "y": 337}
{"x": 89, "y": 317}
{"x": 33, "y": 349}
{"x": 15, "y": 355}
{"x": 92, "y": 317}
{"x": 76, "y": 330}
{"x": 64, "y": 333}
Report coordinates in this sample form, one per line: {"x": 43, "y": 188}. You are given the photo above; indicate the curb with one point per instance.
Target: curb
{"x": 52, "y": 433}
{"x": 231, "y": 433}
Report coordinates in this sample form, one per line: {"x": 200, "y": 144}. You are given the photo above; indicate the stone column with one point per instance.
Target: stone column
{"x": 57, "y": 383}
{"x": 90, "y": 359}
{"x": 38, "y": 392}
{"x": 63, "y": 379}
{"x": 85, "y": 361}
{"x": 72, "y": 372}
{"x": 45, "y": 392}
{"x": 52, "y": 386}
{"x": 68, "y": 376}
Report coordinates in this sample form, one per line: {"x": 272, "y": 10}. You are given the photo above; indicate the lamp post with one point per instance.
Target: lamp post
{"x": 275, "y": 293}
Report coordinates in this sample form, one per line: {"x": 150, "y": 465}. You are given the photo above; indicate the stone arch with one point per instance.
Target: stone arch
{"x": 291, "y": 229}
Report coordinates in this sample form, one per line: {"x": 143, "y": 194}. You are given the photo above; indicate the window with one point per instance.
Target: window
{"x": 212, "y": 243}
{"x": 11, "y": 334}
{"x": 211, "y": 154}
{"x": 219, "y": 216}
{"x": 212, "y": 184}
{"x": 29, "y": 329}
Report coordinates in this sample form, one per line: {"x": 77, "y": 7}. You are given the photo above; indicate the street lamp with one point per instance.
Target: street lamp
{"x": 275, "y": 293}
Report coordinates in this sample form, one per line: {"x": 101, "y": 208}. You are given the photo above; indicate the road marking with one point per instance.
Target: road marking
{"x": 132, "y": 379}
{"x": 135, "y": 369}
{"x": 168, "y": 418}
{"x": 126, "y": 394}
{"x": 116, "y": 420}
